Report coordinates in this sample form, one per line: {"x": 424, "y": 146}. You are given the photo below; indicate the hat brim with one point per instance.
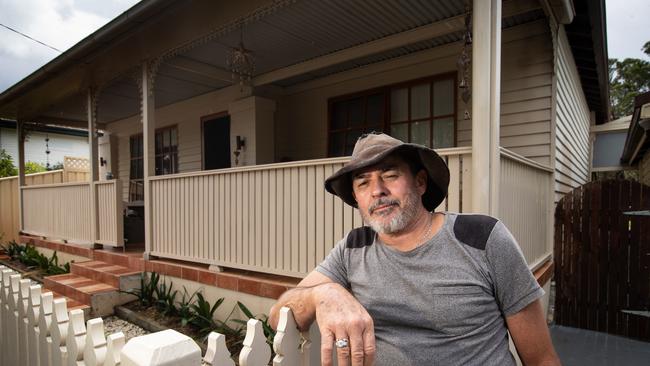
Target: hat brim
{"x": 340, "y": 183}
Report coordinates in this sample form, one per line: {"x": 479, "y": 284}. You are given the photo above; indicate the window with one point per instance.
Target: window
{"x": 166, "y": 158}
{"x": 421, "y": 111}
{"x": 350, "y": 118}
{"x": 136, "y": 172}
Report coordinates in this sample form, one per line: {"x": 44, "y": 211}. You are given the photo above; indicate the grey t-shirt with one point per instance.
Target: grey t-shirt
{"x": 444, "y": 302}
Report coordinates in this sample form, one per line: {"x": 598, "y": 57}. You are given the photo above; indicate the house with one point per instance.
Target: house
{"x": 635, "y": 152}
{"x": 47, "y": 145}
{"x": 607, "y": 142}
{"x": 226, "y": 117}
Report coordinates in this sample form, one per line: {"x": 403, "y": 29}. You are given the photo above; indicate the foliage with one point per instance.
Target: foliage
{"x": 628, "y": 78}
{"x": 165, "y": 299}
{"x": 29, "y": 256}
{"x": 7, "y": 168}
{"x": 203, "y": 318}
{"x": 148, "y": 287}
{"x": 56, "y": 166}
{"x": 184, "y": 309}
{"x": 34, "y": 167}
{"x": 269, "y": 333}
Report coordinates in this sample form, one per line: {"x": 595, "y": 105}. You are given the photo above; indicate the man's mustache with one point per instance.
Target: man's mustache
{"x": 382, "y": 202}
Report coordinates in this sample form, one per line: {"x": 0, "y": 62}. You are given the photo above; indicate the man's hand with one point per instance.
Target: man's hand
{"x": 341, "y": 316}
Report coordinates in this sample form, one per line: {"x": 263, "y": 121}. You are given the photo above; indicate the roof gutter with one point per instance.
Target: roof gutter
{"x": 81, "y": 49}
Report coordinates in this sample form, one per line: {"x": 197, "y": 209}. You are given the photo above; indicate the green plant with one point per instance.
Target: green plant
{"x": 148, "y": 286}
{"x": 269, "y": 333}
{"x": 7, "y": 168}
{"x": 34, "y": 167}
{"x": 165, "y": 299}
{"x": 184, "y": 309}
{"x": 203, "y": 318}
{"x": 13, "y": 249}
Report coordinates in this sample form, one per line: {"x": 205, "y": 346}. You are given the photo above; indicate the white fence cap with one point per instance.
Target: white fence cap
{"x": 168, "y": 347}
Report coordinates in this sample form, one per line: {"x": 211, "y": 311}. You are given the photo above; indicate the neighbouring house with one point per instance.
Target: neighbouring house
{"x": 46, "y": 145}
{"x": 637, "y": 142}
{"x": 607, "y": 142}
{"x": 228, "y": 173}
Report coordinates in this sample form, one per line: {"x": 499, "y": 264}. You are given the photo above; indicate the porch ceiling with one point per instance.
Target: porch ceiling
{"x": 298, "y": 34}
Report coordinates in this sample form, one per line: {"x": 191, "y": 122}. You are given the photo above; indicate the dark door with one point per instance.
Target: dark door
{"x": 602, "y": 258}
{"x": 216, "y": 143}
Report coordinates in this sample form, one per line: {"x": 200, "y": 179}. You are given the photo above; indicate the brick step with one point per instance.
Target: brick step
{"x": 101, "y": 297}
{"x": 131, "y": 260}
{"x": 114, "y": 275}
{"x": 70, "y": 303}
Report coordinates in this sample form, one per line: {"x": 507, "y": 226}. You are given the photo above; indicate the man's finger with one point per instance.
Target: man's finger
{"x": 342, "y": 353}
{"x": 369, "y": 348}
{"x": 326, "y": 341}
{"x": 356, "y": 347}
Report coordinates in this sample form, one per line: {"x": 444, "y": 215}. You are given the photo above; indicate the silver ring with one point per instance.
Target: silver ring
{"x": 342, "y": 343}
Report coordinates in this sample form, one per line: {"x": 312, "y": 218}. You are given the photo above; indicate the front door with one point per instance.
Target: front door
{"x": 216, "y": 143}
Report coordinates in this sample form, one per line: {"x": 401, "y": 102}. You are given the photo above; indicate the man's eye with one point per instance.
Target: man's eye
{"x": 363, "y": 183}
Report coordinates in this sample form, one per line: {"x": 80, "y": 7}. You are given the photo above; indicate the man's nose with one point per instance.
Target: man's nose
{"x": 378, "y": 188}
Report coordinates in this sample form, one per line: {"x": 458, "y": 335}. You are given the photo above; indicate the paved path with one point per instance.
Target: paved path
{"x": 585, "y": 347}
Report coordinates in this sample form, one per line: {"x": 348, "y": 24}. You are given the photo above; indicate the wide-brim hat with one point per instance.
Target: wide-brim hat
{"x": 373, "y": 148}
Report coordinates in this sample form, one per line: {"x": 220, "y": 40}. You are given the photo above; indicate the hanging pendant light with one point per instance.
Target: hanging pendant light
{"x": 465, "y": 61}
{"x": 241, "y": 62}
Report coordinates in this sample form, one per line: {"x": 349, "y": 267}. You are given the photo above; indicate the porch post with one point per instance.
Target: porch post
{"x": 148, "y": 134}
{"x": 92, "y": 166}
{"x": 20, "y": 134}
{"x": 486, "y": 90}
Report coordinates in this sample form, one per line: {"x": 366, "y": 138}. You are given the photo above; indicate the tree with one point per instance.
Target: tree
{"x": 33, "y": 167}
{"x": 628, "y": 78}
{"x": 7, "y": 168}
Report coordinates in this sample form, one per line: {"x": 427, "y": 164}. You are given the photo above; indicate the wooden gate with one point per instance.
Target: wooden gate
{"x": 602, "y": 259}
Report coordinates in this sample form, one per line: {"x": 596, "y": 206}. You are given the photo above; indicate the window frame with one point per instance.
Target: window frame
{"x": 386, "y": 91}
{"x": 156, "y": 155}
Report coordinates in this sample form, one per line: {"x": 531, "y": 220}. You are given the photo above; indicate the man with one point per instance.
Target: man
{"x": 415, "y": 287}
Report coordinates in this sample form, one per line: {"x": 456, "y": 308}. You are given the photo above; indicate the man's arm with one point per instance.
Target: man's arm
{"x": 531, "y": 337}
{"x": 338, "y": 313}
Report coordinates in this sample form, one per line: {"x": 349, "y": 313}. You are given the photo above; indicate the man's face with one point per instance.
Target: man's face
{"x": 388, "y": 195}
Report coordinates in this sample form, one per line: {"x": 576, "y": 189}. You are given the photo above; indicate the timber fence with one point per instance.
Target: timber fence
{"x": 38, "y": 330}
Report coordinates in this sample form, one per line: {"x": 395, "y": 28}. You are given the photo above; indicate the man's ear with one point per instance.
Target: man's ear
{"x": 421, "y": 181}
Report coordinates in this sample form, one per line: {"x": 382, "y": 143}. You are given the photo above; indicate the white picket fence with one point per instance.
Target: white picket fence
{"x": 38, "y": 330}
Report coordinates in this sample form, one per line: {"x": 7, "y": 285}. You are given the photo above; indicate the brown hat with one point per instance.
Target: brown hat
{"x": 373, "y": 148}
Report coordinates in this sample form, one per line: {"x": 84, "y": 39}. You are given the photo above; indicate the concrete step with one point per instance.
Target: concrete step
{"x": 114, "y": 275}
{"x": 101, "y": 297}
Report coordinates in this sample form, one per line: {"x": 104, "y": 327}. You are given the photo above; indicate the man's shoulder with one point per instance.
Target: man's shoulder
{"x": 474, "y": 229}
{"x": 360, "y": 237}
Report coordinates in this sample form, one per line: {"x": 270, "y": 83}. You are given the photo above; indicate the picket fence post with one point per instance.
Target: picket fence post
{"x": 4, "y": 290}
{"x": 114, "y": 344}
{"x": 95, "y": 350}
{"x": 23, "y": 303}
{"x": 32, "y": 324}
{"x": 59, "y": 332}
{"x": 217, "y": 353}
{"x": 76, "y": 341}
{"x": 44, "y": 321}
{"x": 255, "y": 351}
{"x": 14, "y": 293}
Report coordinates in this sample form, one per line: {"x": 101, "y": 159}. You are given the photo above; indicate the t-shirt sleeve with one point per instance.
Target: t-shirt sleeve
{"x": 515, "y": 286}
{"x": 333, "y": 266}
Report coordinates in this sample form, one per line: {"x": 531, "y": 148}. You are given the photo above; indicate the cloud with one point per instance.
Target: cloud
{"x": 58, "y": 23}
{"x": 627, "y": 28}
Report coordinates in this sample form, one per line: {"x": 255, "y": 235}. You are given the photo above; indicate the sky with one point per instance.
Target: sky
{"x": 62, "y": 23}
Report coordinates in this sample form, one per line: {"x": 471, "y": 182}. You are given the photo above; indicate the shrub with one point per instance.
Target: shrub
{"x": 148, "y": 287}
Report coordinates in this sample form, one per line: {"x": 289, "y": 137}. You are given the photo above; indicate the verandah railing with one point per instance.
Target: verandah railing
{"x": 526, "y": 205}
{"x": 38, "y": 330}
{"x": 63, "y": 211}
{"x": 274, "y": 218}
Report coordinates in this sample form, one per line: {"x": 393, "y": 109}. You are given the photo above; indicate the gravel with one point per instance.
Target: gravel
{"x": 113, "y": 324}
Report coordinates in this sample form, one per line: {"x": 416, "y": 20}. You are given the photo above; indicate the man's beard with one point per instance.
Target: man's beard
{"x": 407, "y": 212}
